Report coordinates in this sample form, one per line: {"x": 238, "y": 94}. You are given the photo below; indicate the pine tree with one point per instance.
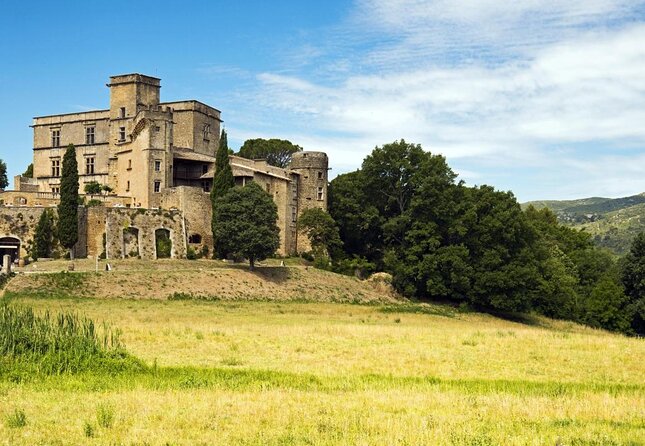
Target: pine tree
{"x": 222, "y": 181}
{"x": 68, "y": 206}
{"x": 44, "y": 236}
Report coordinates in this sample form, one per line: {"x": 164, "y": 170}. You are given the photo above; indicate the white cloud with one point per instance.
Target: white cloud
{"x": 573, "y": 89}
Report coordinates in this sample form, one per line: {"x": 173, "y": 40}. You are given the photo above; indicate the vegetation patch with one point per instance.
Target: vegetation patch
{"x": 58, "y": 343}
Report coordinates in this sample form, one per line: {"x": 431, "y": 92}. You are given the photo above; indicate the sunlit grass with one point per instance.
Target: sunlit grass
{"x": 322, "y": 374}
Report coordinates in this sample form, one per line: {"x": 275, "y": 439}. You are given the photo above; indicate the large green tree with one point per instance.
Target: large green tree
{"x": 69, "y": 200}
{"x": 277, "y": 152}
{"x": 223, "y": 181}
{"x": 322, "y": 231}
{"x": 633, "y": 278}
{"x": 245, "y": 223}
{"x": 4, "y": 182}
{"x": 44, "y": 236}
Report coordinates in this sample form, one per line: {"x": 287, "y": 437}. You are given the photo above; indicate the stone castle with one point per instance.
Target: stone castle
{"x": 158, "y": 160}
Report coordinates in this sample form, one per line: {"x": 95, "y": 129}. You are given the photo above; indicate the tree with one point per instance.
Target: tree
{"x": 277, "y": 152}
{"x": 4, "y": 182}
{"x": 223, "y": 181}
{"x": 245, "y": 223}
{"x": 44, "y": 236}
{"x": 92, "y": 188}
{"x": 633, "y": 278}
{"x": 69, "y": 200}
{"x": 322, "y": 231}
{"x": 107, "y": 189}
{"x": 29, "y": 173}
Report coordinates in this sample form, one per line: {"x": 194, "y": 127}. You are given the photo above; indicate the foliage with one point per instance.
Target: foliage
{"x": 245, "y": 223}
{"x": 16, "y": 419}
{"x": 277, "y": 152}
{"x": 93, "y": 203}
{"x": 322, "y": 231}
{"x": 29, "y": 172}
{"x": 106, "y": 188}
{"x": 105, "y": 416}
{"x": 4, "y": 182}
{"x": 61, "y": 343}
{"x": 44, "y": 236}
{"x": 633, "y": 279}
{"x": 93, "y": 188}
{"x": 404, "y": 212}
{"x": 163, "y": 244}
{"x": 223, "y": 181}
{"x": 69, "y": 201}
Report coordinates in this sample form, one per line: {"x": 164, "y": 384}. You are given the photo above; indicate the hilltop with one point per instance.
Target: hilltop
{"x": 613, "y": 222}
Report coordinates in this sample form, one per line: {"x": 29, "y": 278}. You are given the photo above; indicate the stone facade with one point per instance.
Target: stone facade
{"x": 158, "y": 157}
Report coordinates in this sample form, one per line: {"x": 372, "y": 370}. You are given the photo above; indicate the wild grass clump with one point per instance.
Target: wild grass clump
{"x": 4, "y": 279}
{"x": 16, "y": 419}
{"x": 105, "y": 416}
{"x": 60, "y": 343}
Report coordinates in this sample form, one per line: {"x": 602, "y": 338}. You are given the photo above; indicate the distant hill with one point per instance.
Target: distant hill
{"x": 613, "y": 222}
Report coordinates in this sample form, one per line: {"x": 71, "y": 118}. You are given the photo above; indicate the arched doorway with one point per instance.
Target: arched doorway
{"x": 11, "y": 246}
{"x": 163, "y": 244}
{"x": 131, "y": 242}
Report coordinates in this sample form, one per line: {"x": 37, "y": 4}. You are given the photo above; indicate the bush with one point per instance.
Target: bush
{"x": 191, "y": 254}
{"x": 93, "y": 203}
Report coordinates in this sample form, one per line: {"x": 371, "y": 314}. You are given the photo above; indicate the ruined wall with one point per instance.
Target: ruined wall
{"x": 20, "y": 223}
{"x": 197, "y": 212}
{"x": 146, "y": 221}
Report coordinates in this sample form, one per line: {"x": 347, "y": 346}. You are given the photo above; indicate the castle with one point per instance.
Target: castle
{"x": 157, "y": 160}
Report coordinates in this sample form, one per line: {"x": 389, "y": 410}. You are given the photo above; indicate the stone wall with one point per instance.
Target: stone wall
{"x": 197, "y": 212}
{"x": 146, "y": 222}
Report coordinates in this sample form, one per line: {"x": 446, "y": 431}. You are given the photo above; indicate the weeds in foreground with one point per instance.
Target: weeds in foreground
{"x": 105, "y": 416}
{"x": 16, "y": 419}
{"x": 88, "y": 429}
{"x": 54, "y": 344}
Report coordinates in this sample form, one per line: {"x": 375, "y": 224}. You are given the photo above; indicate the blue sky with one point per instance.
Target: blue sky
{"x": 544, "y": 98}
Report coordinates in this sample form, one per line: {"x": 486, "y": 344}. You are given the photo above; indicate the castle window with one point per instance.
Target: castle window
{"x": 206, "y": 185}
{"x": 195, "y": 238}
{"x": 121, "y": 134}
{"x": 127, "y": 186}
{"x": 89, "y": 135}
{"x": 157, "y": 186}
{"x": 56, "y": 190}
{"x": 89, "y": 165}
{"x": 320, "y": 175}
{"x": 157, "y": 165}
{"x": 56, "y": 167}
{"x": 204, "y": 169}
{"x": 129, "y": 164}
{"x": 321, "y": 194}
{"x": 122, "y": 112}
{"x": 55, "y": 138}
{"x": 294, "y": 214}
{"x": 207, "y": 131}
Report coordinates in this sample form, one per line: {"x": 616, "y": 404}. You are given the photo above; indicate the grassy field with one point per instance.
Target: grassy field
{"x": 288, "y": 372}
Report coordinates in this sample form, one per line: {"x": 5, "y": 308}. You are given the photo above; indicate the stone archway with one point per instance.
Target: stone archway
{"x": 131, "y": 242}
{"x": 163, "y": 244}
{"x": 11, "y": 246}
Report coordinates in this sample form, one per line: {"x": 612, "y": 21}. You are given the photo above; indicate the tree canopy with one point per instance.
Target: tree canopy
{"x": 4, "y": 182}
{"x": 277, "y": 152}
{"x": 44, "y": 236}
{"x": 405, "y": 213}
{"x": 322, "y": 232}
{"x": 69, "y": 200}
{"x": 92, "y": 188}
{"x": 245, "y": 223}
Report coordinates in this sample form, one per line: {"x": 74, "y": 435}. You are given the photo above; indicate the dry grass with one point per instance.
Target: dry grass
{"x": 275, "y": 371}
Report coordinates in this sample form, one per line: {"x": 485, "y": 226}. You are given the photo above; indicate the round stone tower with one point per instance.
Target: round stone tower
{"x": 311, "y": 189}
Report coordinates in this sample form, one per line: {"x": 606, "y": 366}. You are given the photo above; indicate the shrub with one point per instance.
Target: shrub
{"x": 93, "y": 203}
{"x": 88, "y": 429}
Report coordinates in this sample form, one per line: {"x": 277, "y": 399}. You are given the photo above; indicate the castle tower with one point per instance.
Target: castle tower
{"x": 312, "y": 168}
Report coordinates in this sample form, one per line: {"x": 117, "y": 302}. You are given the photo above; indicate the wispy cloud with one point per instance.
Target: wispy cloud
{"x": 548, "y": 87}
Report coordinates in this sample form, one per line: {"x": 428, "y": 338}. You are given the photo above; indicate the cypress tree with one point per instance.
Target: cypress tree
{"x": 68, "y": 206}
{"x": 44, "y": 236}
{"x": 222, "y": 181}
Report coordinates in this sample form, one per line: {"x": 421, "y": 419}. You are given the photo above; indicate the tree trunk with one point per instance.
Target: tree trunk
{"x": 71, "y": 253}
{"x": 251, "y": 263}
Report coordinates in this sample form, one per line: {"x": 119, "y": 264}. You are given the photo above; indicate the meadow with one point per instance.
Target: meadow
{"x": 235, "y": 371}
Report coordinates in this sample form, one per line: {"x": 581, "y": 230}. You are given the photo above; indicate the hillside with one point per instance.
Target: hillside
{"x": 613, "y": 222}
{"x": 200, "y": 280}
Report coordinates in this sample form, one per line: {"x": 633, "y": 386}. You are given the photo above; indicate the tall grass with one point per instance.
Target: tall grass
{"x": 60, "y": 343}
